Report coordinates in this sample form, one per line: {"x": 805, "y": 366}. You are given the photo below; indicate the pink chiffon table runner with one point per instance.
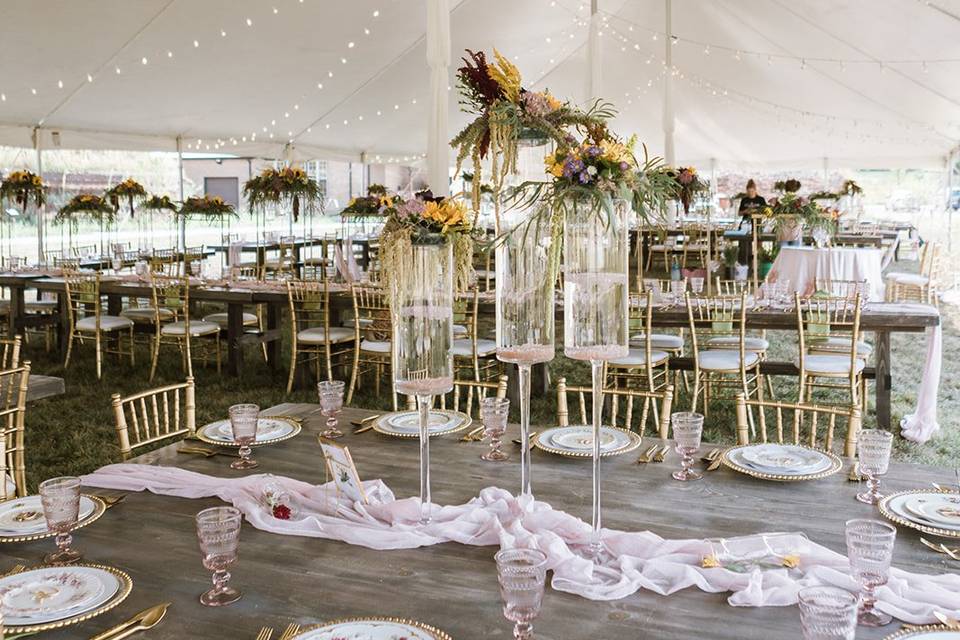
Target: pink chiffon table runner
{"x": 633, "y": 560}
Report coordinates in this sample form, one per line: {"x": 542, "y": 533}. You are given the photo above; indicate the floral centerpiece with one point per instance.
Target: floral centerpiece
{"x": 375, "y": 203}
{"x": 289, "y": 185}
{"x": 207, "y": 206}
{"x": 21, "y": 187}
{"x": 426, "y": 219}
{"x": 508, "y": 115}
{"x": 824, "y": 195}
{"x": 129, "y": 190}
{"x": 850, "y": 188}
{"x": 791, "y": 211}
{"x": 687, "y": 184}
{"x": 159, "y": 203}
{"x": 86, "y": 204}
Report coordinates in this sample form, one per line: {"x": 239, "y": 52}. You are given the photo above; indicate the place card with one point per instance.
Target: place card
{"x": 344, "y": 472}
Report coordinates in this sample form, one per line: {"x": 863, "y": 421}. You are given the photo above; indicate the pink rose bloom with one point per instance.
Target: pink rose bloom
{"x": 685, "y": 177}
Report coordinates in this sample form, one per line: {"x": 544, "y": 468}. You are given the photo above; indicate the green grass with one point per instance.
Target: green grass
{"x": 74, "y": 433}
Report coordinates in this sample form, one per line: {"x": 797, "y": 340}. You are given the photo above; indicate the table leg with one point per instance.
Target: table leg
{"x": 17, "y": 310}
{"x": 273, "y": 324}
{"x": 234, "y": 333}
{"x": 63, "y": 326}
{"x": 882, "y": 351}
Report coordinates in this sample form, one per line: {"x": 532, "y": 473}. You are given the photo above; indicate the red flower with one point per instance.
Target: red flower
{"x": 281, "y": 512}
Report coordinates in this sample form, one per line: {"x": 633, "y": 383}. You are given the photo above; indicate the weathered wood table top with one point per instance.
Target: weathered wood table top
{"x": 307, "y": 580}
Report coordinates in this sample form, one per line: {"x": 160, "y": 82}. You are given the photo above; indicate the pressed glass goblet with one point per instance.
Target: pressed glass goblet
{"x": 696, "y": 285}
{"x": 243, "y": 422}
{"x": 870, "y": 549}
{"x": 873, "y": 451}
{"x": 494, "y": 413}
{"x": 218, "y": 530}
{"x": 331, "y": 402}
{"x": 687, "y": 431}
{"x": 522, "y": 574}
{"x": 827, "y": 613}
{"x": 60, "y": 498}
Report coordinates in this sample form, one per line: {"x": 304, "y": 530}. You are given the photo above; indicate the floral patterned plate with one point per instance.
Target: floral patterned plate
{"x": 372, "y": 629}
{"x": 577, "y": 441}
{"x": 22, "y": 518}
{"x": 43, "y": 595}
{"x": 406, "y": 424}
{"x": 269, "y": 430}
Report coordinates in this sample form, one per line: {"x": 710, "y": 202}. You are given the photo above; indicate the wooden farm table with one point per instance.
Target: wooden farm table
{"x": 453, "y": 586}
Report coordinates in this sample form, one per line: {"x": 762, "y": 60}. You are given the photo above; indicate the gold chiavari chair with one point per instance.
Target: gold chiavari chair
{"x": 312, "y": 337}
{"x": 85, "y": 251}
{"x": 373, "y": 333}
{"x": 483, "y": 267}
{"x": 835, "y": 322}
{"x": 732, "y": 287}
{"x": 149, "y": 417}
{"x": 665, "y": 246}
{"x": 88, "y": 322}
{"x": 645, "y": 367}
{"x": 466, "y": 395}
{"x": 695, "y": 246}
{"x": 801, "y": 425}
{"x": 319, "y": 264}
{"x": 757, "y": 341}
{"x": 13, "y": 408}
{"x": 173, "y": 294}
{"x": 285, "y": 264}
{"x": 472, "y": 355}
{"x": 193, "y": 258}
{"x": 239, "y": 273}
{"x": 164, "y": 261}
{"x": 9, "y": 353}
{"x": 622, "y": 404}
{"x": 921, "y": 287}
{"x": 71, "y": 264}
{"x": 733, "y": 366}
{"x": 891, "y": 277}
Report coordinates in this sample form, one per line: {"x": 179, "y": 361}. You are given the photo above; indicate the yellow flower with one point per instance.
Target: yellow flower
{"x": 553, "y": 102}
{"x": 553, "y": 166}
{"x": 791, "y": 562}
{"x": 37, "y": 181}
{"x": 615, "y": 151}
{"x": 386, "y": 201}
{"x": 352, "y": 202}
{"x": 768, "y": 211}
{"x": 710, "y": 562}
{"x": 505, "y": 74}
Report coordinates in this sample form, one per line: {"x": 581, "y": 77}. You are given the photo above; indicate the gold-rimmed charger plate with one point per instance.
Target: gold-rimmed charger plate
{"x": 835, "y": 466}
{"x": 99, "y": 507}
{"x": 890, "y": 515}
{"x": 630, "y": 439}
{"x": 928, "y": 631}
{"x": 294, "y": 430}
{"x": 424, "y": 631}
{"x": 126, "y": 586}
{"x": 406, "y": 424}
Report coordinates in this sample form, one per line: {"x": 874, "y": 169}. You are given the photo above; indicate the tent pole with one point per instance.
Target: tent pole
{"x": 594, "y": 53}
{"x": 669, "y": 154}
{"x": 438, "y": 59}
{"x": 183, "y": 220}
{"x": 40, "y": 209}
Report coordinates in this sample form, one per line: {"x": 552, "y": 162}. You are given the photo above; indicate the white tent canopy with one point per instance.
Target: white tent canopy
{"x": 789, "y": 82}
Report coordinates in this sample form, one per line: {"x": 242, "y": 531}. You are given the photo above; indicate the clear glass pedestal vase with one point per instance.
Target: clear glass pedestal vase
{"x": 422, "y": 307}
{"x": 525, "y": 310}
{"x": 595, "y": 304}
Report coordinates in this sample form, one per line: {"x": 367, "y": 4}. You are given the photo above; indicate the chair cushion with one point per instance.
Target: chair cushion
{"x": 725, "y": 359}
{"x": 464, "y": 348}
{"x": 638, "y": 358}
{"x": 107, "y": 323}
{"x": 317, "y": 335}
{"x": 459, "y": 331}
{"x": 145, "y": 314}
{"x": 828, "y": 364}
{"x": 750, "y": 343}
{"x": 913, "y": 279}
{"x": 222, "y": 319}
{"x": 661, "y": 341}
{"x": 835, "y": 344}
{"x": 896, "y": 275}
{"x": 41, "y": 306}
{"x": 197, "y": 328}
{"x": 379, "y": 346}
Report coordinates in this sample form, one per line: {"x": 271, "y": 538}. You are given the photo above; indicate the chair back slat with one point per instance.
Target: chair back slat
{"x": 466, "y": 394}
{"x": 813, "y": 425}
{"x": 617, "y": 398}
{"x": 14, "y": 384}
{"x": 144, "y": 418}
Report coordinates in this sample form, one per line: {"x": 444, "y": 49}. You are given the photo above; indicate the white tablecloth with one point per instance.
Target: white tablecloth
{"x": 803, "y": 266}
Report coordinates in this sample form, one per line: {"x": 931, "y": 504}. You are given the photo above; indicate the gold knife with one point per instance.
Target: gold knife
{"x": 146, "y": 619}
{"x": 645, "y": 456}
{"x": 710, "y": 457}
{"x": 472, "y": 435}
{"x": 716, "y": 463}
{"x": 660, "y": 457}
{"x": 363, "y": 429}
{"x": 360, "y": 423}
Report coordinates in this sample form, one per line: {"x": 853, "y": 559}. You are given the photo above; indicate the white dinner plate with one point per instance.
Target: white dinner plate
{"x": 942, "y": 509}
{"x": 911, "y": 506}
{"x": 24, "y": 516}
{"x": 372, "y": 629}
{"x": 782, "y": 459}
{"x": 828, "y": 465}
{"x": 38, "y": 596}
{"x": 932, "y": 633}
{"x": 268, "y": 430}
{"x": 577, "y": 440}
{"x": 406, "y": 424}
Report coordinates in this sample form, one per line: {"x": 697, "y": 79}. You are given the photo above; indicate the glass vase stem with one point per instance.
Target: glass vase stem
{"x": 423, "y": 404}
{"x": 597, "y": 373}
{"x": 524, "y": 379}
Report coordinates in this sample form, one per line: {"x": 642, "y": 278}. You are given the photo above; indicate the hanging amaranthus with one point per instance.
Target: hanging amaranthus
{"x": 129, "y": 190}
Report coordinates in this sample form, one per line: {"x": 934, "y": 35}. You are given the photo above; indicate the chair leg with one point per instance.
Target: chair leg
{"x": 99, "y": 356}
{"x": 156, "y": 356}
{"x": 66, "y": 362}
{"x": 353, "y": 374}
{"x": 293, "y": 367}
{"x": 696, "y": 391}
{"x": 132, "y": 350}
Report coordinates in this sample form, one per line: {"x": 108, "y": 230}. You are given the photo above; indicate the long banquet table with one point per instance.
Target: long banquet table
{"x": 306, "y": 580}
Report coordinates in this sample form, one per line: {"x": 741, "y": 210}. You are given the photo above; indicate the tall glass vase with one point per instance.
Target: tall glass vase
{"x": 422, "y": 306}
{"x": 525, "y": 320}
{"x": 595, "y": 294}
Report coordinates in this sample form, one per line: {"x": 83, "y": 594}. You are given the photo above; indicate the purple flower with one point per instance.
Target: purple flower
{"x": 584, "y": 177}
{"x": 624, "y": 166}
{"x": 594, "y": 150}
{"x": 536, "y": 104}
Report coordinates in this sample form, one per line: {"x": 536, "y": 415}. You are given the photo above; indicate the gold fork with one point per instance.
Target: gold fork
{"x": 645, "y": 456}
{"x": 660, "y": 457}
{"x": 19, "y": 568}
{"x": 941, "y": 548}
{"x": 265, "y": 633}
{"x": 291, "y": 630}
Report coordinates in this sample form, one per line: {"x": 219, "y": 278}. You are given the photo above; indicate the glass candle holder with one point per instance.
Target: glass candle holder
{"x": 595, "y": 294}
{"x": 243, "y": 422}
{"x": 60, "y": 498}
{"x": 218, "y": 530}
{"x": 870, "y": 550}
{"x": 331, "y": 403}
{"x": 525, "y": 310}
{"x": 422, "y": 307}
{"x": 873, "y": 453}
